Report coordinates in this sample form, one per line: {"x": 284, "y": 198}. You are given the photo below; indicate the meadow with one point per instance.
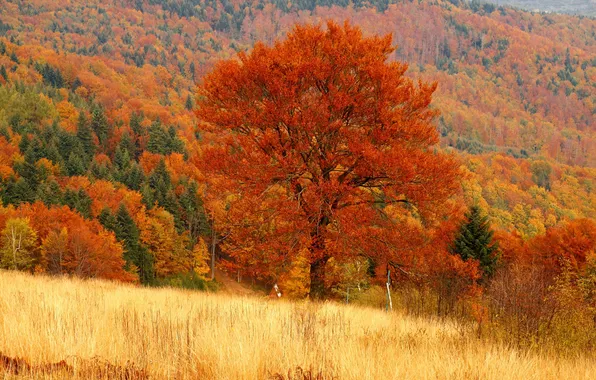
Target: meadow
{"x": 70, "y": 328}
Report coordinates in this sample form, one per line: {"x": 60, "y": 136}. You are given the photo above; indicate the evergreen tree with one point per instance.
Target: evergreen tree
{"x": 192, "y": 70}
{"x": 127, "y": 144}
{"x": 138, "y": 133}
{"x": 31, "y": 177}
{"x": 193, "y": 212}
{"x": 121, "y": 160}
{"x": 74, "y": 164}
{"x": 188, "y": 104}
{"x": 79, "y": 201}
{"x": 85, "y": 136}
{"x": 475, "y": 241}
{"x": 134, "y": 253}
{"x": 164, "y": 142}
{"x": 99, "y": 124}
{"x": 176, "y": 145}
{"x": 66, "y": 144}
{"x": 134, "y": 177}
{"x": 50, "y": 193}
{"x": 100, "y": 171}
{"x": 160, "y": 182}
{"x": 16, "y": 191}
{"x": 148, "y": 195}
{"x": 159, "y": 140}
{"x": 53, "y": 154}
{"x": 107, "y": 219}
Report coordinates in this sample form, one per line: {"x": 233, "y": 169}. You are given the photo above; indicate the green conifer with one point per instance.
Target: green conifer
{"x": 475, "y": 241}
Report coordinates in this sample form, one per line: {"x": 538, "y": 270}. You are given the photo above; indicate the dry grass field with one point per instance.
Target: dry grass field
{"x": 67, "y": 328}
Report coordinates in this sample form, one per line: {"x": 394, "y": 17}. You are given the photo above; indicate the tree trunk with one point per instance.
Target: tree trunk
{"x": 317, "y": 279}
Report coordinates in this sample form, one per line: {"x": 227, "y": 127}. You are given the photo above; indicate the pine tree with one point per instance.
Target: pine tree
{"x": 85, "y": 136}
{"x": 192, "y": 70}
{"x": 176, "y": 145}
{"x": 159, "y": 140}
{"x": 121, "y": 160}
{"x": 50, "y": 193}
{"x": 134, "y": 177}
{"x": 138, "y": 134}
{"x": 127, "y": 144}
{"x": 193, "y": 212}
{"x": 160, "y": 182}
{"x": 66, "y": 144}
{"x": 79, "y": 201}
{"x": 100, "y": 171}
{"x": 188, "y": 104}
{"x": 75, "y": 165}
{"x": 134, "y": 253}
{"x": 100, "y": 125}
{"x": 107, "y": 219}
{"x": 475, "y": 241}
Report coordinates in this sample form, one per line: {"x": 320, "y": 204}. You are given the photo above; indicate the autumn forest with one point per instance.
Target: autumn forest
{"x": 442, "y": 151}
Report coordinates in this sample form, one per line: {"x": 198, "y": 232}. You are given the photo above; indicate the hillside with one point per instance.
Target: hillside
{"x": 100, "y": 153}
{"x": 579, "y": 7}
{"x": 510, "y": 80}
{"x": 115, "y": 331}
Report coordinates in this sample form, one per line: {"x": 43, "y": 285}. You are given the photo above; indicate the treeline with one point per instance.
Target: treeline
{"x": 120, "y": 186}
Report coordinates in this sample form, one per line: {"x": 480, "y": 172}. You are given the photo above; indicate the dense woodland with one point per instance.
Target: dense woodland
{"x": 102, "y": 160}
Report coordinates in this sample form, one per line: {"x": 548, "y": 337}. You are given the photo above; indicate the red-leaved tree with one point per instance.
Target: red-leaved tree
{"x": 319, "y": 144}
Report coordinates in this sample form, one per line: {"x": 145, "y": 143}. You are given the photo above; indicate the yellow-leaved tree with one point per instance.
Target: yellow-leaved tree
{"x": 19, "y": 242}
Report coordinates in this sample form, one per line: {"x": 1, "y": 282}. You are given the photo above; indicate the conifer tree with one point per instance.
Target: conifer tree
{"x": 75, "y": 165}
{"x": 159, "y": 140}
{"x": 79, "y": 201}
{"x": 85, "y": 136}
{"x": 49, "y": 193}
{"x": 475, "y": 241}
{"x": 188, "y": 104}
{"x": 107, "y": 219}
{"x": 134, "y": 253}
{"x": 100, "y": 125}
{"x": 134, "y": 177}
{"x": 127, "y": 144}
{"x": 160, "y": 182}
{"x": 121, "y": 160}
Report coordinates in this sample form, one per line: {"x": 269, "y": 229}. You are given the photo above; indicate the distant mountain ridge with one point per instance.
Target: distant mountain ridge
{"x": 579, "y": 7}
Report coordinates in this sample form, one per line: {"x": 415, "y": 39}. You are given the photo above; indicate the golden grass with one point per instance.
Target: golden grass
{"x": 184, "y": 335}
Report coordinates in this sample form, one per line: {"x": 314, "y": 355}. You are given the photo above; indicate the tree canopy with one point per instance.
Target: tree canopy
{"x": 321, "y": 143}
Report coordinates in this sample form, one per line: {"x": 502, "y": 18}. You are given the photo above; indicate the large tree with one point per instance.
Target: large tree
{"x": 320, "y": 143}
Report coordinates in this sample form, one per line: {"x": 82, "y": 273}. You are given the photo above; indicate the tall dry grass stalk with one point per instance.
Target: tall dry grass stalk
{"x": 166, "y": 333}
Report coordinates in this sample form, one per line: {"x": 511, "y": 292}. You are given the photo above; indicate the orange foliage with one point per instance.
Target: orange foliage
{"x": 91, "y": 250}
{"x": 315, "y": 134}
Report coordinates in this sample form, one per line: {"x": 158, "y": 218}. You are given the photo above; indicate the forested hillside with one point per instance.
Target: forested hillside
{"x": 579, "y": 7}
{"x": 100, "y": 151}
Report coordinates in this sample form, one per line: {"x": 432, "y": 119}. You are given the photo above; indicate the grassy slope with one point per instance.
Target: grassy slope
{"x": 177, "y": 334}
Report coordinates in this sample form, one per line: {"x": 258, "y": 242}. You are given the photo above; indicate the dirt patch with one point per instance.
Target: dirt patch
{"x": 232, "y": 286}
